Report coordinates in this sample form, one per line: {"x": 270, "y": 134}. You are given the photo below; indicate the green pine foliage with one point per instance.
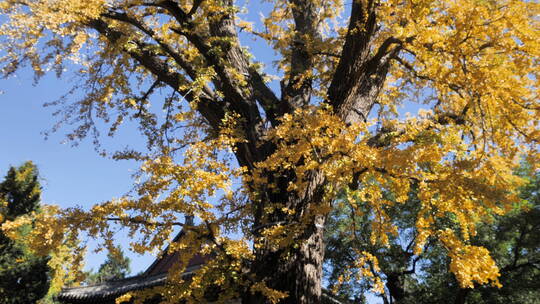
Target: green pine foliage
{"x": 115, "y": 267}
{"x": 513, "y": 241}
{"x": 24, "y": 277}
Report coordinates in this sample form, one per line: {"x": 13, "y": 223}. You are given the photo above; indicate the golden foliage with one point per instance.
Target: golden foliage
{"x": 473, "y": 64}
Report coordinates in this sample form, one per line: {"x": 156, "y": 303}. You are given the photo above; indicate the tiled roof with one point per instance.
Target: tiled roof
{"x": 165, "y": 263}
{"x": 109, "y": 291}
{"x": 106, "y": 292}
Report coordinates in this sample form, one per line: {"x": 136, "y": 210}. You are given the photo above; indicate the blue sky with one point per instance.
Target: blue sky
{"x": 69, "y": 175}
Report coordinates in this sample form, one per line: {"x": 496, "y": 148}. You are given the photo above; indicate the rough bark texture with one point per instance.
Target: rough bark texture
{"x": 294, "y": 269}
{"x": 297, "y": 271}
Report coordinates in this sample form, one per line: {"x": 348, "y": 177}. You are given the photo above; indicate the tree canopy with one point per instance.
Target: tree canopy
{"x": 261, "y": 167}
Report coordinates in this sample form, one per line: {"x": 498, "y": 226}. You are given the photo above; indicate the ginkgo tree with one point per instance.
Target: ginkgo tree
{"x": 260, "y": 167}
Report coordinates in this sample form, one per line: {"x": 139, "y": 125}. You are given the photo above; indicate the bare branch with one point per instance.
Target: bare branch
{"x": 454, "y": 87}
{"x": 143, "y": 98}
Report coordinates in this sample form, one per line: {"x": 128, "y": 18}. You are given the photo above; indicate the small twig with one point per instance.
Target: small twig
{"x": 262, "y": 226}
{"x": 143, "y": 222}
{"x": 145, "y": 96}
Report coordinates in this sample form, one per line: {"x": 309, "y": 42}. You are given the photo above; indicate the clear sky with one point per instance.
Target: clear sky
{"x": 69, "y": 175}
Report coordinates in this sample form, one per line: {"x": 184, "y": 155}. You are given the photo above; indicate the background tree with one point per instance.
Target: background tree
{"x": 348, "y": 237}
{"x": 115, "y": 267}
{"x": 24, "y": 277}
{"x": 514, "y": 244}
{"x": 267, "y": 163}
{"x": 426, "y": 278}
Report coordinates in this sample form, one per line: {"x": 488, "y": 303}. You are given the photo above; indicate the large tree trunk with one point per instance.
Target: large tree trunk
{"x": 461, "y": 295}
{"x": 296, "y": 267}
{"x": 394, "y": 283}
{"x": 296, "y": 271}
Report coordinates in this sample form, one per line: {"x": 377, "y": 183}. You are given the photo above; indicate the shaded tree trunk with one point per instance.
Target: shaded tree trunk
{"x": 461, "y": 296}
{"x": 296, "y": 271}
{"x": 394, "y": 283}
{"x": 295, "y": 268}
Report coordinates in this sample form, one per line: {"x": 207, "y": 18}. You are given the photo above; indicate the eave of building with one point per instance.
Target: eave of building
{"x": 110, "y": 290}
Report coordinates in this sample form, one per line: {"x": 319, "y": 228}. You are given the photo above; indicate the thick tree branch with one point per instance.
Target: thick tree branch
{"x": 210, "y": 109}
{"x": 296, "y": 87}
{"x": 357, "y": 80}
{"x": 139, "y": 221}
{"x": 168, "y": 49}
{"x": 231, "y": 60}
{"x": 196, "y": 4}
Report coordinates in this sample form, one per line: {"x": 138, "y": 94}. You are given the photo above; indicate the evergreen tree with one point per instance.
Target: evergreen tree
{"x": 24, "y": 277}
{"x": 513, "y": 241}
{"x": 115, "y": 267}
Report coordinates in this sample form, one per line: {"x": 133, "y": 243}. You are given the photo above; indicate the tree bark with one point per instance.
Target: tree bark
{"x": 394, "y": 283}
{"x": 296, "y": 271}
{"x": 461, "y": 296}
{"x": 296, "y": 267}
